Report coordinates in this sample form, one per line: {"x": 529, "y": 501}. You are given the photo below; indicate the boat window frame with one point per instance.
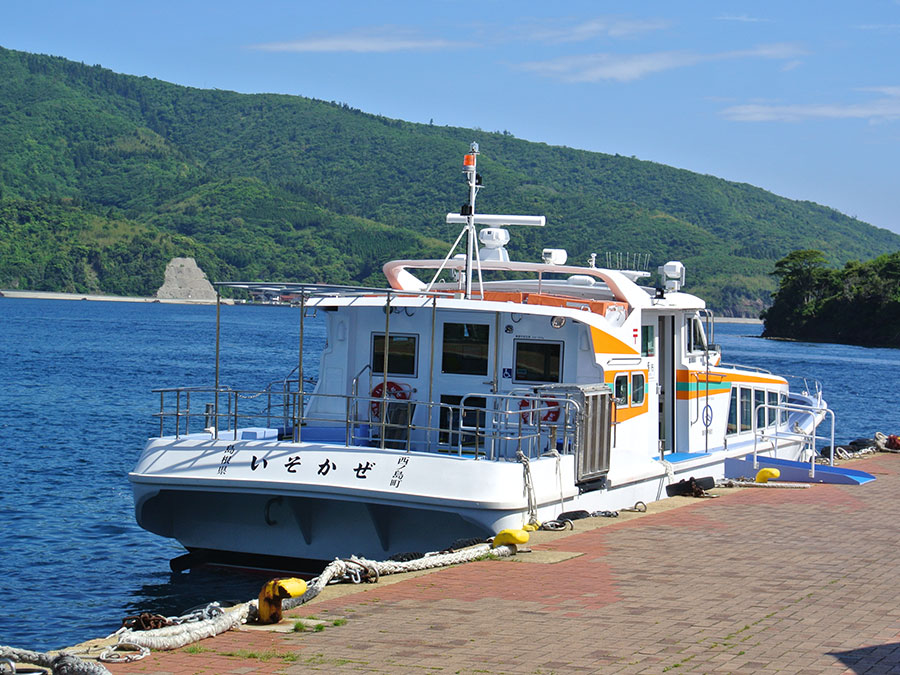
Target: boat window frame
{"x": 376, "y": 363}
{"x": 732, "y": 428}
{"x": 531, "y": 341}
{"x": 696, "y": 336}
{"x": 622, "y": 401}
{"x": 772, "y": 411}
{"x": 487, "y": 349}
{"x": 648, "y": 340}
{"x": 759, "y": 405}
{"x": 642, "y": 388}
{"x": 745, "y": 399}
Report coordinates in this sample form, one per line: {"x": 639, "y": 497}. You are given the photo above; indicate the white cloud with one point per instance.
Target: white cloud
{"x": 743, "y": 18}
{"x": 885, "y": 27}
{"x": 371, "y": 40}
{"x": 887, "y": 91}
{"x": 589, "y": 29}
{"x": 879, "y": 110}
{"x": 597, "y": 67}
{"x": 778, "y": 50}
{"x": 627, "y": 68}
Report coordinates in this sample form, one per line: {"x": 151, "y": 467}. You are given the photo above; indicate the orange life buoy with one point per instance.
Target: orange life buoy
{"x": 551, "y": 412}
{"x": 394, "y": 390}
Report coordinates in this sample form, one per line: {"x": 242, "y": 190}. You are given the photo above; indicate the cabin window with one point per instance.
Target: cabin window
{"x": 772, "y": 412}
{"x": 733, "y": 412}
{"x": 402, "y": 350}
{"x": 696, "y": 336}
{"x": 637, "y": 388}
{"x": 621, "y": 389}
{"x": 538, "y": 361}
{"x": 782, "y": 399}
{"x": 472, "y": 416}
{"x": 465, "y": 348}
{"x": 759, "y": 404}
{"x": 746, "y": 409}
{"x": 648, "y": 340}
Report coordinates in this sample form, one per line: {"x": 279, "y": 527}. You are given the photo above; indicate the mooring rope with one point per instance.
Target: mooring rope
{"x": 183, "y": 634}
{"x": 353, "y": 569}
{"x": 529, "y": 489}
{"x": 59, "y": 664}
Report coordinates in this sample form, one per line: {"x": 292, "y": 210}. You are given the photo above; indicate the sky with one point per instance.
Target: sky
{"x": 799, "y": 97}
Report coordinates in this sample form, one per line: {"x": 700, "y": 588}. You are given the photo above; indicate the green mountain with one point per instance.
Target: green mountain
{"x": 104, "y": 177}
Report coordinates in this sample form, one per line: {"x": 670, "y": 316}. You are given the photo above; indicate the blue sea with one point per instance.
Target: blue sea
{"x": 76, "y": 406}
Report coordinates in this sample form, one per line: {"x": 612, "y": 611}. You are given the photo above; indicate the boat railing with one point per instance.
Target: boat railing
{"x": 793, "y": 431}
{"x": 805, "y": 385}
{"x": 500, "y": 427}
{"x": 521, "y": 421}
{"x": 738, "y": 366}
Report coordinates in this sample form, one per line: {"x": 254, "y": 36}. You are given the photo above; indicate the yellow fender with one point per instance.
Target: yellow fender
{"x": 506, "y": 537}
{"x": 273, "y": 593}
{"x": 767, "y": 474}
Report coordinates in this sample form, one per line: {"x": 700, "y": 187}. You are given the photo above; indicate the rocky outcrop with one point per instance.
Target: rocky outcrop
{"x": 185, "y": 281}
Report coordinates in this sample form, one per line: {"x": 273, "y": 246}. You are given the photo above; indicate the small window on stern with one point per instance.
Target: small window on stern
{"x": 538, "y": 361}
{"x": 401, "y": 354}
{"x": 465, "y": 348}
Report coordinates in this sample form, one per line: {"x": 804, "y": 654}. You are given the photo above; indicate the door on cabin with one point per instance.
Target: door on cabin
{"x": 666, "y": 384}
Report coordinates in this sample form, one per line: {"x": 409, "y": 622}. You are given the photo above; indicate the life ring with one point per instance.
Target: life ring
{"x": 551, "y": 409}
{"x": 394, "y": 390}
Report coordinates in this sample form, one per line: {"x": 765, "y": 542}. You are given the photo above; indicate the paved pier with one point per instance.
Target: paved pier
{"x": 755, "y": 581}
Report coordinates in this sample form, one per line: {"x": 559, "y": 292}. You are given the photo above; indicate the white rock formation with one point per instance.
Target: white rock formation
{"x": 185, "y": 281}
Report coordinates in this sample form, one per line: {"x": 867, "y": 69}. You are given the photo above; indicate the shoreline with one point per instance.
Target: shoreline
{"x": 50, "y": 295}
{"x": 738, "y": 319}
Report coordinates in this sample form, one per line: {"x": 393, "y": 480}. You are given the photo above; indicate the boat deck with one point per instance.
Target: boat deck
{"x": 757, "y": 580}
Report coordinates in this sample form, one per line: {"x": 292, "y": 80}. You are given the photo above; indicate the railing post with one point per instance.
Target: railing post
{"x": 218, "y": 325}
{"x": 178, "y": 414}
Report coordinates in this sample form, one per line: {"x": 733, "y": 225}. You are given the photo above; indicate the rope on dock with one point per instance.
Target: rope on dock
{"x": 353, "y": 569}
{"x": 59, "y": 664}
{"x": 750, "y": 483}
{"x": 183, "y": 634}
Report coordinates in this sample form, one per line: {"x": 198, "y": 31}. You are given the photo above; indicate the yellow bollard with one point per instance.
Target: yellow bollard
{"x": 767, "y": 474}
{"x": 505, "y": 537}
{"x": 273, "y": 593}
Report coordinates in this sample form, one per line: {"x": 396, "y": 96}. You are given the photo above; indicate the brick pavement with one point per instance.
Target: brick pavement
{"x": 756, "y": 581}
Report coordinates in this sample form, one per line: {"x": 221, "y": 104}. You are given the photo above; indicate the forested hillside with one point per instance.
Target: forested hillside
{"x": 104, "y": 177}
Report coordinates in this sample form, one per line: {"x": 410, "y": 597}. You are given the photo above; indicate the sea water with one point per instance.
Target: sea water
{"x": 76, "y": 405}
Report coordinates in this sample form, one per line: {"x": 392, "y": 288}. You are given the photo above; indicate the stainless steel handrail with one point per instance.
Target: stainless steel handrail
{"x": 503, "y": 424}
{"x": 809, "y": 437}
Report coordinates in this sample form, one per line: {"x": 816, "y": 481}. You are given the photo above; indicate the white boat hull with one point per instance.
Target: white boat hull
{"x": 429, "y": 503}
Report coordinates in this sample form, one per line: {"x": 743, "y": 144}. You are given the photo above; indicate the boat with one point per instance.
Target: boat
{"x": 472, "y": 394}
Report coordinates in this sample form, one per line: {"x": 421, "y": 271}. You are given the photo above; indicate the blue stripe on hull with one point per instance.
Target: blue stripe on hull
{"x": 797, "y": 472}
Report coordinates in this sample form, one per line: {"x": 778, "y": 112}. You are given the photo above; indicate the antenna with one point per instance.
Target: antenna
{"x": 468, "y": 210}
{"x": 468, "y": 218}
